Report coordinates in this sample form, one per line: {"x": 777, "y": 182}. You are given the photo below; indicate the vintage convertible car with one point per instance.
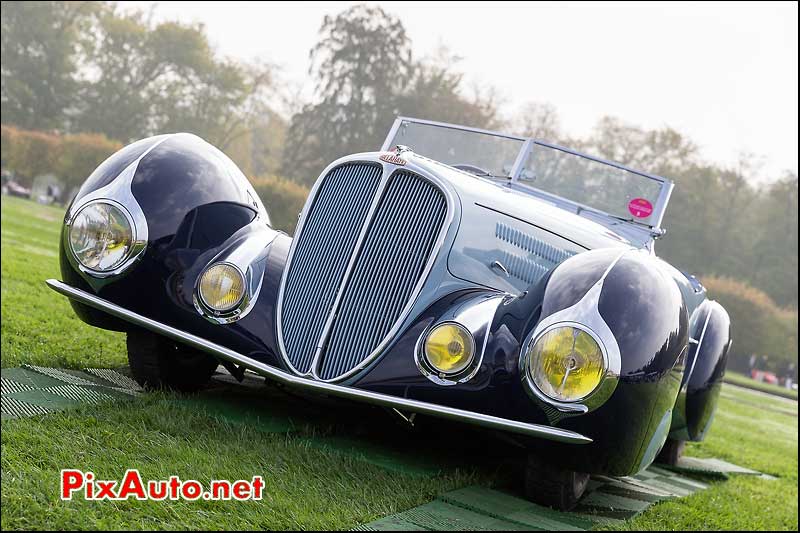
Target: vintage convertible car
{"x": 489, "y": 279}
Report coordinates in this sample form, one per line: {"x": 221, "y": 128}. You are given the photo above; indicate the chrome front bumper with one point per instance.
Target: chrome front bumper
{"x": 385, "y": 400}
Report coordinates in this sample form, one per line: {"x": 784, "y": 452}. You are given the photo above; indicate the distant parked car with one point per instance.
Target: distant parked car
{"x": 463, "y": 274}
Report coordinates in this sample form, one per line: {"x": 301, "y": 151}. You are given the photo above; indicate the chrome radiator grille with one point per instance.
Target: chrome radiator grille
{"x": 387, "y": 267}
{"x": 321, "y": 256}
{"x": 391, "y": 263}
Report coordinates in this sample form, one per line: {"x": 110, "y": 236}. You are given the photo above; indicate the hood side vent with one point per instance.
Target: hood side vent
{"x": 531, "y": 244}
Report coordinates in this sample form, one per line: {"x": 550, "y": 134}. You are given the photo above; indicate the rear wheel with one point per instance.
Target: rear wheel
{"x": 551, "y": 486}
{"x": 159, "y": 363}
{"x": 671, "y": 452}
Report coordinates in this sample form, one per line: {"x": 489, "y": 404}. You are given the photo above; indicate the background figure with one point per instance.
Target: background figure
{"x": 751, "y": 365}
{"x": 790, "y": 376}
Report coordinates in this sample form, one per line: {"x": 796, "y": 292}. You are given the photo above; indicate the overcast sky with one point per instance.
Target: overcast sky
{"x": 724, "y": 74}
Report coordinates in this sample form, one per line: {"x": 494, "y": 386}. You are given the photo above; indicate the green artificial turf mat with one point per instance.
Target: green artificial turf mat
{"x": 504, "y": 505}
{"x": 112, "y": 376}
{"x": 28, "y": 378}
{"x": 607, "y": 502}
{"x": 35, "y": 390}
{"x": 439, "y": 515}
{"x": 710, "y": 467}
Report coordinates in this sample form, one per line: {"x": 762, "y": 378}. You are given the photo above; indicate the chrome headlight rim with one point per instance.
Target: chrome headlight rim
{"x": 138, "y": 243}
{"x": 476, "y": 315}
{"x": 455, "y": 375}
{"x": 224, "y": 316}
{"x": 588, "y": 402}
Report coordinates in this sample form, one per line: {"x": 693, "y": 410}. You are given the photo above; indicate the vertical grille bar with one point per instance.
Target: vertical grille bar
{"x": 321, "y": 255}
{"x": 392, "y": 261}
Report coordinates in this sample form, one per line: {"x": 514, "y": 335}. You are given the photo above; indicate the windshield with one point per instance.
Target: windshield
{"x": 614, "y": 190}
{"x": 538, "y": 167}
{"x": 492, "y": 154}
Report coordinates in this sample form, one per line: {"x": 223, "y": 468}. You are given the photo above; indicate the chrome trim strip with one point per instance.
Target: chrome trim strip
{"x": 661, "y": 206}
{"x": 699, "y": 343}
{"x": 392, "y": 133}
{"x": 221, "y": 352}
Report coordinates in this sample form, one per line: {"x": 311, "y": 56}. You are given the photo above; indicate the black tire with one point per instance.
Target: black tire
{"x": 671, "y": 453}
{"x": 159, "y": 363}
{"x": 553, "y": 487}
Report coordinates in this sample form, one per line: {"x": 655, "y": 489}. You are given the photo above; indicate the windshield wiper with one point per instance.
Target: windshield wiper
{"x": 609, "y": 215}
{"x": 478, "y": 171}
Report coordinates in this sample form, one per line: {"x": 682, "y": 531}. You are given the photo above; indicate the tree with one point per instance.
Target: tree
{"x": 143, "y": 78}
{"x": 435, "y": 92}
{"x": 360, "y": 65}
{"x": 774, "y": 249}
{"x": 221, "y": 103}
{"x": 79, "y": 154}
{"x": 29, "y": 154}
{"x": 540, "y": 121}
{"x": 362, "y": 61}
{"x": 133, "y": 69}
{"x": 40, "y": 43}
{"x": 649, "y": 150}
{"x": 365, "y": 76}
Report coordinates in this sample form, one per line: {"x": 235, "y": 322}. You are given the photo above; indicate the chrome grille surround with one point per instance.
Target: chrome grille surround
{"x": 311, "y": 363}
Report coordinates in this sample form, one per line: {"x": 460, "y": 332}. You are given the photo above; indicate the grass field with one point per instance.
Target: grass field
{"x": 308, "y": 487}
{"x": 744, "y": 381}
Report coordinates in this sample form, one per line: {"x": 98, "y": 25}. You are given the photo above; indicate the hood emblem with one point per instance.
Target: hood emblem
{"x": 394, "y": 159}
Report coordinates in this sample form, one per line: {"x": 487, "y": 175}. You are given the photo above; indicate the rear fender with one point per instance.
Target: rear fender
{"x": 705, "y": 368}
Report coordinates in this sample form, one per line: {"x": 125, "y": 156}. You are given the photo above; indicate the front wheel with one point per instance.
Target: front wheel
{"x": 549, "y": 485}
{"x": 156, "y": 362}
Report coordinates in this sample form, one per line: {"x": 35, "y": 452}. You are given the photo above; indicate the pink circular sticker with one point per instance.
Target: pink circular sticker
{"x": 640, "y": 208}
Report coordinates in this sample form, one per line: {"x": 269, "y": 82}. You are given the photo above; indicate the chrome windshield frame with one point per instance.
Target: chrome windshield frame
{"x": 528, "y": 144}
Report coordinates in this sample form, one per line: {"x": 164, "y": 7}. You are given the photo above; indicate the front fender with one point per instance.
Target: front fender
{"x": 644, "y": 310}
{"x": 195, "y": 205}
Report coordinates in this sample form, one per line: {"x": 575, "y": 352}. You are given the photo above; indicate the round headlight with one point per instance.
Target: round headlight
{"x": 566, "y": 364}
{"x": 222, "y": 287}
{"x": 449, "y": 348}
{"x": 101, "y": 236}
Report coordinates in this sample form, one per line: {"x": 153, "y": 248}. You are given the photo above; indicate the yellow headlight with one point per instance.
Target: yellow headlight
{"x": 566, "y": 364}
{"x": 222, "y": 287}
{"x": 449, "y": 348}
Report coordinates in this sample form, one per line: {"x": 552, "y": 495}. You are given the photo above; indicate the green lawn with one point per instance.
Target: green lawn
{"x": 37, "y": 326}
{"x": 745, "y": 381}
{"x": 307, "y": 486}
